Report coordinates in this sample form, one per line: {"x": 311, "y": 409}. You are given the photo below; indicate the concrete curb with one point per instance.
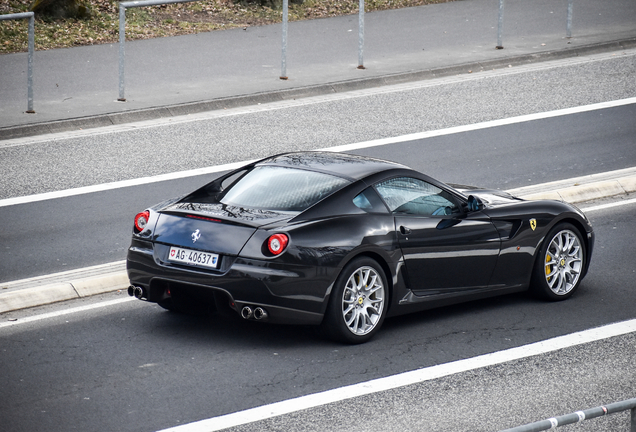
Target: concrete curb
{"x": 152, "y": 113}
{"x": 63, "y": 286}
{"x": 111, "y": 277}
{"x": 584, "y": 188}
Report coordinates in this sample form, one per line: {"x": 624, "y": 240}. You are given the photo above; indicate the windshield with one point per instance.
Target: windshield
{"x": 282, "y": 189}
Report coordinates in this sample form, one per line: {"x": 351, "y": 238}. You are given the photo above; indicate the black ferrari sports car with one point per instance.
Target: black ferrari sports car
{"x": 343, "y": 241}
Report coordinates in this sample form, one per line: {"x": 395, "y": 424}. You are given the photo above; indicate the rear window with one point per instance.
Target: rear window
{"x": 282, "y": 189}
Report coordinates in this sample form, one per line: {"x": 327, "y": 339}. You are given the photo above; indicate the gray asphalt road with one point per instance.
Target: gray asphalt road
{"x": 74, "y": 232}
{"x": 79, "y": 231}
{"x": 136, "y": 367}
{"x": 33, "y": 166}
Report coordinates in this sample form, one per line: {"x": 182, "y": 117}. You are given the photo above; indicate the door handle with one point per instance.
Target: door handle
{"x": 405, "y": 230}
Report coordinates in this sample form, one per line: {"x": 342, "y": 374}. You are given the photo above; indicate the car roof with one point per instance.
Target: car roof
{"x": 353, "y": 167}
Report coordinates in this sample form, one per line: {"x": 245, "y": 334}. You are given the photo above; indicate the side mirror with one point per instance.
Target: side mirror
{"x": 475, "y": 204}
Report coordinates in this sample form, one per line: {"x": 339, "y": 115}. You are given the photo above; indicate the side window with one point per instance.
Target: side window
{"x": 412, "y": 196}
{"x": 369, "y": 201}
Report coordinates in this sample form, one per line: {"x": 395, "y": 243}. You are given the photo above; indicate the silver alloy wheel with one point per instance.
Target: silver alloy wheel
{"x": 363, "y": 300}
{"x": 563, "y": 262}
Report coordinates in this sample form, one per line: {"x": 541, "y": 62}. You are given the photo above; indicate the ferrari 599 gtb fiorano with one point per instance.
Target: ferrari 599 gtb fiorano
{"x": 343, "y": 241}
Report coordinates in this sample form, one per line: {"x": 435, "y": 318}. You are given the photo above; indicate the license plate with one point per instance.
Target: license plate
{"x": 193, "y": 258}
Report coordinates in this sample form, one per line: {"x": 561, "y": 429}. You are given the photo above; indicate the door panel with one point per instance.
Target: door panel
{"x": 445, "y": 254}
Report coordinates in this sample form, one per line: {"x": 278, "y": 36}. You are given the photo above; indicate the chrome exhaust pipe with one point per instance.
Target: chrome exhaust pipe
{"x": 139, "y": 292}
{"x": 260, "y": 313}
{"x": 247, "y": 312}
{"x": 131, "y": 290}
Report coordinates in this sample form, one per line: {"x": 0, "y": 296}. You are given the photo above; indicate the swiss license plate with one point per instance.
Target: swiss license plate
{"x": 193, "y": 258}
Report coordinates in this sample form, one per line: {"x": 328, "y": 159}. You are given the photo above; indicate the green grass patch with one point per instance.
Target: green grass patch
{"x": 102, "y": 26}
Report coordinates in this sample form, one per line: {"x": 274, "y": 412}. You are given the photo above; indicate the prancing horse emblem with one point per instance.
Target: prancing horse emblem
{"x": 533, "y": 224}
{"x": 196, "y": 236}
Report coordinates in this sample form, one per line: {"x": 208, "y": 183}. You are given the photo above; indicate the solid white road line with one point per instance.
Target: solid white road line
{"x": 313, "y": 100}
{"x": 342, "y": 148}
{"x": 608, "y": 205}
{"x": 65, "y": 312}
{"x": 405, "y": 379}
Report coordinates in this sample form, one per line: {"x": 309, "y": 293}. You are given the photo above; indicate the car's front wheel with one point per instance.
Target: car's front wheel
{"x": 358, "y": 302}
{"x": 557, "y": 273}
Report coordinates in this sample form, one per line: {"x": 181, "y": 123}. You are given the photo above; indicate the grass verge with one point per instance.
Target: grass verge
{"x": 168, "y": 20}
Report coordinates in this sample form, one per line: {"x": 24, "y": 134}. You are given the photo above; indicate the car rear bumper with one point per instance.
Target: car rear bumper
{"x": 289, "y": 294}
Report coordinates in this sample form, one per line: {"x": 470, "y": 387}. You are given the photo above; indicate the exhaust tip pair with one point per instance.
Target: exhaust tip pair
{"x": 257, "y": 313}
{"x": 138, "y": 292}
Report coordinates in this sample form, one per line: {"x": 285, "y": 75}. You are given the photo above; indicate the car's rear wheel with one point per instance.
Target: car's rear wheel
{"x": 559, "y": 267}
{"x": 358, "y": 302}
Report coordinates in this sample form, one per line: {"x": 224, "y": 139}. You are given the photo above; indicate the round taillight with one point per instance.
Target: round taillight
{"x": 277, "y": 243}
{"x": 141, "y": 220}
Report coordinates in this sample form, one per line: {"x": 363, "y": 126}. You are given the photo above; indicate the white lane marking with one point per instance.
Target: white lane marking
{"x": 405, "y": 379}
{"x": 313, "y": 100}
{"x": 342, "y": 148}
{"x": 608, "y": 205}
{"x": 65, "y": 312}
{"x": 483, "y": 125}
{"x": 120, "y": 184}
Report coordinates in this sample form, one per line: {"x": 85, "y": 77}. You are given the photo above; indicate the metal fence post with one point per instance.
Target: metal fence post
{"x": 122, "y": 50}
{"x": 361, "y": 35}
{"x": 30, "y": 64}
{"x": 633, "y": 424}
{"x": 568, "y": 30}
{"x": 31, "y": 38}
{"x": 283, "y": 66}
{"x": 500, "y": 25}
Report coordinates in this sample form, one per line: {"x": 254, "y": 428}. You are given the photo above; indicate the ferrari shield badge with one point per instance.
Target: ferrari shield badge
{"x": 196, "y": 235}
{"x": 533, "y": 224}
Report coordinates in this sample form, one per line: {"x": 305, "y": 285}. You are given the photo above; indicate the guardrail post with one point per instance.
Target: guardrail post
{"x": 31, "y": 38}
{"x": 568, "y": 30}
{"x": 122, "y": 50}
{"x": 500, "y": 25}
{"x": 122, "y": 33}
{"x": 283, "y": 65}
{"x": 30, "y": 64}
{"x": 361, "y": 35}
{"x": 633, "y": 425}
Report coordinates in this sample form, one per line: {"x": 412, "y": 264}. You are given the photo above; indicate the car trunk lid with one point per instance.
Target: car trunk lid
{"x": 215, "y": 228}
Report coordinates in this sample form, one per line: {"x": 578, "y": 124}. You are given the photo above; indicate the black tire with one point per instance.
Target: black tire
{"x": 358, "y": 303}
{"x": 559, "y": 266}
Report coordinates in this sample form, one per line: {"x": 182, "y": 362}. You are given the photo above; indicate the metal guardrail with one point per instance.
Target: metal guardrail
{"x": 122, "y": 33}
{"x": 579, "y": 416}
{"x": 568, "y": 26}
{"x": 142, "y": 3}
{"x": 31, "y": 17}
{"x": 283, "y": 66}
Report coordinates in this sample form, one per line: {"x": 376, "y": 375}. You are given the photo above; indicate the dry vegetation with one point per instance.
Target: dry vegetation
{"x": 102, "y": 26}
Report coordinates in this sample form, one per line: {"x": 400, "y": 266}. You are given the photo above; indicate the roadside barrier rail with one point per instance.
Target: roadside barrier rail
{"x": 31, "y": 17}
{"x": 500, "y": 21}
{"x": 579, "y": 416}
{"x": 283, "y": 63}
{"x": 122, "y": 33}
{"x": 142, "y": 3}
